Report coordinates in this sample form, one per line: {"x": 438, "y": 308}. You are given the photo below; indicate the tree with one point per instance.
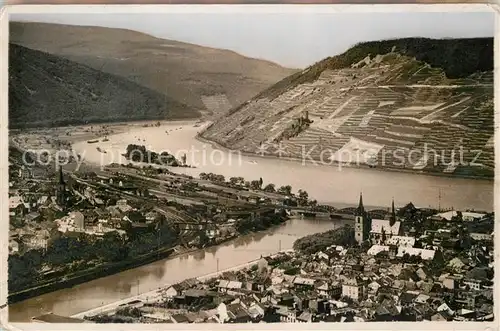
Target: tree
{"x": 203, "y": 176}
{"x": 303, "y": 198}
{"x": 255, "y": 185}
{"x": 285, "y": 190}
{"x": 270, "y": 188}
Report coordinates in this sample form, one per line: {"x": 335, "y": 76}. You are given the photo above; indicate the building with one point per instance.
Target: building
{"x": 362, "y": 223}
{"x": 425, "y": 254}
{"x": 78, "y": 220}
{"x": 465, "y": 216}
{"x": 16, "y": 206}
{"x": 401, "y": 241}
{"x": 354, "y": 289}
{"x": 382, "y": 230}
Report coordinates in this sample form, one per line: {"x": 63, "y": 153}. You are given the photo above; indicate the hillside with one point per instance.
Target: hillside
{"x": 210, "y": 79}
{"x": 379, "y": 104}
{"x": 46, "y": 90}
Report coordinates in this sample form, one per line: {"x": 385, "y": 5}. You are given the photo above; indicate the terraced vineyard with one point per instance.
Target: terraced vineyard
{"x": 388, "y": 111}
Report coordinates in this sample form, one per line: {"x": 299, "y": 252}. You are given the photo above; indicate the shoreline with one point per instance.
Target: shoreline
{"x": 217, "y": 145}
{"x": 157, "y": 292}
{"x": 108, "y": 270}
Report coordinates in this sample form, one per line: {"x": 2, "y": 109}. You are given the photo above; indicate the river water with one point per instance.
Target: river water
{"x": 327, "y": 184}
{"x": 168, "y": 271}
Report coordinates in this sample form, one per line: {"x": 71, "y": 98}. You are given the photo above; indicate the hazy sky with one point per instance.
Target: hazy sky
{"x": 290, "y": 39}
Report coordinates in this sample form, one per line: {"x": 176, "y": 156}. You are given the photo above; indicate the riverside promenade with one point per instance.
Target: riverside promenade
{"x": 156, "y": 295}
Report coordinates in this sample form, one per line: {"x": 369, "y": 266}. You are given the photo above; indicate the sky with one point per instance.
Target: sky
{"x": 291, "y": 39}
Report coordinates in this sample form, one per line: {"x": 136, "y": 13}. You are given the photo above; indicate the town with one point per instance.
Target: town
{"x": 67, "y": 227}
{"x": 404, "y": 264}
{"x": 413, "y": 265}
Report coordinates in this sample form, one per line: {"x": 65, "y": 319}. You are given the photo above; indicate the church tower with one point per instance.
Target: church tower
{"x": 61, "y": 191}
{"x": 362, "y": 224}
{"x": 392, "y": 219}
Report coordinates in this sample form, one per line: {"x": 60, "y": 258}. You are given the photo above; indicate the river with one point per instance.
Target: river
{"x": 146, "y": 278}
{"x": 327, "y": 184}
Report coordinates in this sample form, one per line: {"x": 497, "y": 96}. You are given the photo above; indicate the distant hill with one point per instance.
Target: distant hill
{"x": 46, "y": 90}
{"x": 213, "y": 80}
{"x": 375, "y": 104}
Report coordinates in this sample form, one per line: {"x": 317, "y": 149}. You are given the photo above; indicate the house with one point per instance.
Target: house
{"x": 354, "y": 289}
{"x": 401, "y": 241}
{"x": 466, "y": 216}
{"x": 425, "y": 254}
{"x": 180, "y": 318}
{"x": 422, "y": 298}
{"x": 375, "y": 249}
{"x": 303, "y": 283}
{"x": 441, "y": 316}
{"x": 482, "y": 236}
{"x": 287, "y": 315}
{"x": 170, "y": 292}
{"x": 16, "y": 206}
{"x": 449, "y": 283}
{"x": 322, "y": 288}
{"x": 13, "y": 247}
{"x": 33, "y": 217}
{"x": 474, "y": 284}
{"x": 44, "y": 201}
{"x": 256, "y": 311}
{"x": 387, "y": 311}
{"x": 305, "y": 317}
{"x": 123, "y": 206}
{"x": 407, "y": 298}
{"x": 238, "y": 313}
{"x": 77, "y": 219}
{"x": 225, "y": 285}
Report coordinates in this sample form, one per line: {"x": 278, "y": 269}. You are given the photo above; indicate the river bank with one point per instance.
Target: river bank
{"x": 155, "y": 295}
{"x": 149, "y": 277}
{"x": 337, "y": 164}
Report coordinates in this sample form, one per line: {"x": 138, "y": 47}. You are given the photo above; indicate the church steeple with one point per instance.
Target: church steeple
{"x": 360, "y": 211}
{"x": 392, "y": 220}
{"x": 61, "y": 177}
{"x": 362, "y": 223}
{"x": 61, "y": 192}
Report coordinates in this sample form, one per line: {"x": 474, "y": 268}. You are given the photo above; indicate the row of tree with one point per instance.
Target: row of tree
{"x": 302, "y": 196}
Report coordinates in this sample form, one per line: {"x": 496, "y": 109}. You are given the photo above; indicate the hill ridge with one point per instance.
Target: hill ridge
{"x": 374, "y": 102}
{"x": 185, "y": 72}
{"x": 46, "y": 90}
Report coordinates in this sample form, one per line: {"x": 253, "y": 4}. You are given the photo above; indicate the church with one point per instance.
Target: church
{"x": 376, "y": 231}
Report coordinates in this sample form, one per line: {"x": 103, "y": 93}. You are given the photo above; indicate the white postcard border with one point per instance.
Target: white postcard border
{"x": 4, "y": 224}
